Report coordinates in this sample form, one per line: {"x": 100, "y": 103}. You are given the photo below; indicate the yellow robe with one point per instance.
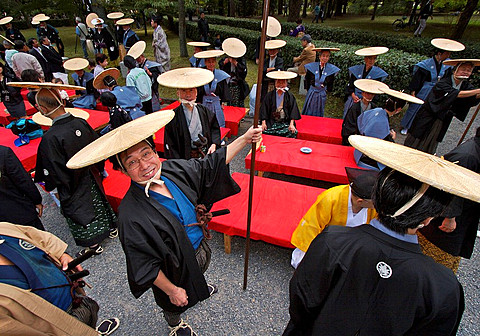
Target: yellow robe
{"x": 331, "y": 208}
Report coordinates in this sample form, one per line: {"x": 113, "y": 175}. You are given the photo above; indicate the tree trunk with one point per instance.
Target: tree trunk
{"x": 374, "y": 10}
{"x": 181, "y": 29}
{"x": 329, "y": 8}
{"x": 412, "y": 14}
{"x": 464, "y": 19}
{"x": 280, "y": 7}
{"x": 231, "y": 8}
{"x": 338, "y": 8}
{"x": 144, "y": 21}
{"x": 294, "y": 10}
{"x": 305, "y": 5}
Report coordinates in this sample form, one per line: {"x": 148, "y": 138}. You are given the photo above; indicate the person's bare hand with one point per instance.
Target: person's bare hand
{"x": 355, "y": 98}
{"x": 448, "y": 225}
{"x": 253, "y": 134}
{"x": 264, "y": 125}
{"x": 39, "y": 209}
{"x": 211, "y": 149}
{"x": 65, "y": 260}
{"x": 179, "y": 297}
{"x": 292, "y": 128}
{"x": 393, "y": 134}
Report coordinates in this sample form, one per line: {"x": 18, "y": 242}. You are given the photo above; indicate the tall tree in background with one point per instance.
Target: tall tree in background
{"x": 280, "y": 7}
{"x": 464, "y": 19}
{"x": 181, "y": 29}
{"x": 294, "y": 10}
{"x": 305, "y": 5}
{"x": 231, "y": 8}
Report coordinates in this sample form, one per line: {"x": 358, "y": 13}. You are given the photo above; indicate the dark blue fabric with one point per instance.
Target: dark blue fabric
{"x": 38, "y": 271}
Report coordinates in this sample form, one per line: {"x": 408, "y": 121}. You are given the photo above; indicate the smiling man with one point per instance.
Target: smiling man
{"x": 164, "y": 214}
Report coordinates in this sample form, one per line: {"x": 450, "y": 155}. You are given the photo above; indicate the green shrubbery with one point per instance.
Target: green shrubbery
{"x": 54, "y": 22}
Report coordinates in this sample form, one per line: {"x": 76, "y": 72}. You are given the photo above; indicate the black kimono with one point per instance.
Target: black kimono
{"x": 62, "y": 141}
{"x": 102, "y": 39}
{"x": 269, "y": 106}
{"x": 434, "y": 117}
{"x": 177, "y": 137}
{"x": 222, "y": 91}
{"x": 361, "y": 281}
{"x": 153, "y": 239}
{"x": 238, "y": 86}
{"x": 461, "y": 241}
{"x": 266, "y": 82}
{"x": 18, "y": 193}
{"x": 118, "y": 116}
{"x": 14, "y": 34}
{"x": 349, "y": 125}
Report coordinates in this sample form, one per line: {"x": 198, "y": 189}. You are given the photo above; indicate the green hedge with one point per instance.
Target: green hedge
{"x": 397, "y": 64}
{"x": 54, "y": 22}
{"x": 352, "y": 36}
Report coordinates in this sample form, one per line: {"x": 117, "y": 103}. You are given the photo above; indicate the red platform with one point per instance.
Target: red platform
{"x": 320, "y": 129}
{"x": 27, "y": 154}
{"x": 233, "y": 115}
{"x": 160, "y": 137}
{"x": 327, "y": 162}
{"x": 278, "y": 207}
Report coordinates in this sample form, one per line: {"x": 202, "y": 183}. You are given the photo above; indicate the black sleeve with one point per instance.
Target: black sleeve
{"x": 419, "y": 77}
{"x": 279, "y": 64}
{"x": 264, "y": 109}
{"x": 309, "y": 80}
{"x": 171, "y": 147}
{"x": 241, "y": 70}
{"x": 215, "y": 129}
{"x": 90, "y": 88}
{"x": 389, "y": 138}
{"x": 350, "y": 87}
{"x": 328, "y": 83}
{"x": 349, "y": 125}
{"x": 223, "y": 91}
{"x": 18, "y": 175}
{"x": 200, "y": 94}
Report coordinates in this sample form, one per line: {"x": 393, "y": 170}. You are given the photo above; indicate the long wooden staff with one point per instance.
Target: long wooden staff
{"x": 6, "y": 39}
{"x": 266, "y": 10}
{"x": 468, "y": 126}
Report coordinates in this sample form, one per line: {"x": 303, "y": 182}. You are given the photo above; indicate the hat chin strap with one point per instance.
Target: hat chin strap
{"x": 155, "y": 179}
{"x": 192, "y": 103}
{"x": 52, "y": 111}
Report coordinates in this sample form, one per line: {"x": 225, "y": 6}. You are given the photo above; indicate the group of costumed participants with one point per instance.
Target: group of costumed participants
{"x": 363, "y": 240}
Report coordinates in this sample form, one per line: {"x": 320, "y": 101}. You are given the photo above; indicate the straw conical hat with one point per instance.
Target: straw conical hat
{"x": 115, "y": 15}
{"x": 40, "y": 119}
{"x": 281, "y": 74}
{"x": 326, "y": 48}
{"x": 120, "y": 139}
{"x": 234, "y": 47}
{"x": 124, "y": 22}
{"x": 75, "y": 64}
{"x": 185, "y": 78}
{"x": 370, "y": 85}
{"x": 424, "y": 167}
{"x": 454, "y": 62}
{"x": 98, "y": 80}
{"x": 97, "y": 21}
{"x": 38, "y": 85}
{"x": 371, "y": 51}
{"x": 6, "y": 20}
{"x": 42, "y": 18}
{"x": 447, "y": 44}
{"x": 89, "y": 18}
{"x": 401, "y": 95}
{"x": 198, "y": 44}
{"x": 137, "y": 49}
{"x": 209, "y": 54}
{"x": 274, "y": 28}
{"x": 274, "y": 44}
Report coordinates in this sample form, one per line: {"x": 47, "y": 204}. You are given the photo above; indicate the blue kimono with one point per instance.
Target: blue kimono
{"x": 356, "y": 71}
{"x": 129, "y": 39}
{"x": 129, "y": 100}
{"x": 197, "y": 63}
{"x": 211, "y": 100}
{"x": 87, "y": 99}
{"x": 430, "y": 66}
{"x": 317, "y": 94}
{"x": 373, "y": 123}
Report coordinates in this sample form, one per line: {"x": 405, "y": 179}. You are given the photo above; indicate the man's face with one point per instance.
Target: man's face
{"x": 202, "y": 16}
{"x": 444, "y": 55}
{"x": 281, "y": 83}
{"x": 367, "y": 96}
{"x": 46, "y": 41}
{"x": 35, "y": 43}
{"x": 304, "y": 43}
{"x": 324, "y": 57}
{"x": 370, "y": 61}
{"x": 272, "y": 52}
{"x": 126, "y": 27}
{"x": 187, "y": 94}
{"x": 99, "y": 26}
{"x": 464, "y": 70}
{"x": 79, "y": 72}
{"x": 8, "y": 25}
{"x": 153, "y": 24}
{"x": 196, "y": 49}
{"x": 210, "y": 63}
{"x": 141, "y": 163}
{"x": 43, "y": 24}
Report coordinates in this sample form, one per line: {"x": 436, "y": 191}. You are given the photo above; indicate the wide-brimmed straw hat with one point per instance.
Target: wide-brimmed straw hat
{"x": 97, "y": 21}
{"x": 185, "y": 78}
{"x": 209, "y": 54}
{"x": 89, "y": 18}
{"x": 39, "y": 17}
{"x": 274, "y": 28}
{"x": 370, "y": 85}
{"x": 281, "y": 75}
{"x": 120, "y": 139}
{"x": 371, "y": 51}
{"x": 6, "y": 20}
{"x": 427, "y": 168}
{"x": 326, "y": 49}
{"x": 124, "y": 22}
{"x": 401, "y": 95}
{"x": 447, "y": 44}
{"x": 198, "y": 44}
{"x": 234, "y": 47}
{"x": 40, "y": 119}
{"x": 98, "y": 80}
{"x": 275, "y": 44}
{"x": 38, "y": 85}
{"x": 75, "y": 64}
{"x": 137, "y": 49}
{"x": 115, "y": 15}
{"x": 454, "y": 62}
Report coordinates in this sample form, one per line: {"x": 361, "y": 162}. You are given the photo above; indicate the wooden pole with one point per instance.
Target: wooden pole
{"x": 469, "y": 125}
{"x": 266, "y": 10}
